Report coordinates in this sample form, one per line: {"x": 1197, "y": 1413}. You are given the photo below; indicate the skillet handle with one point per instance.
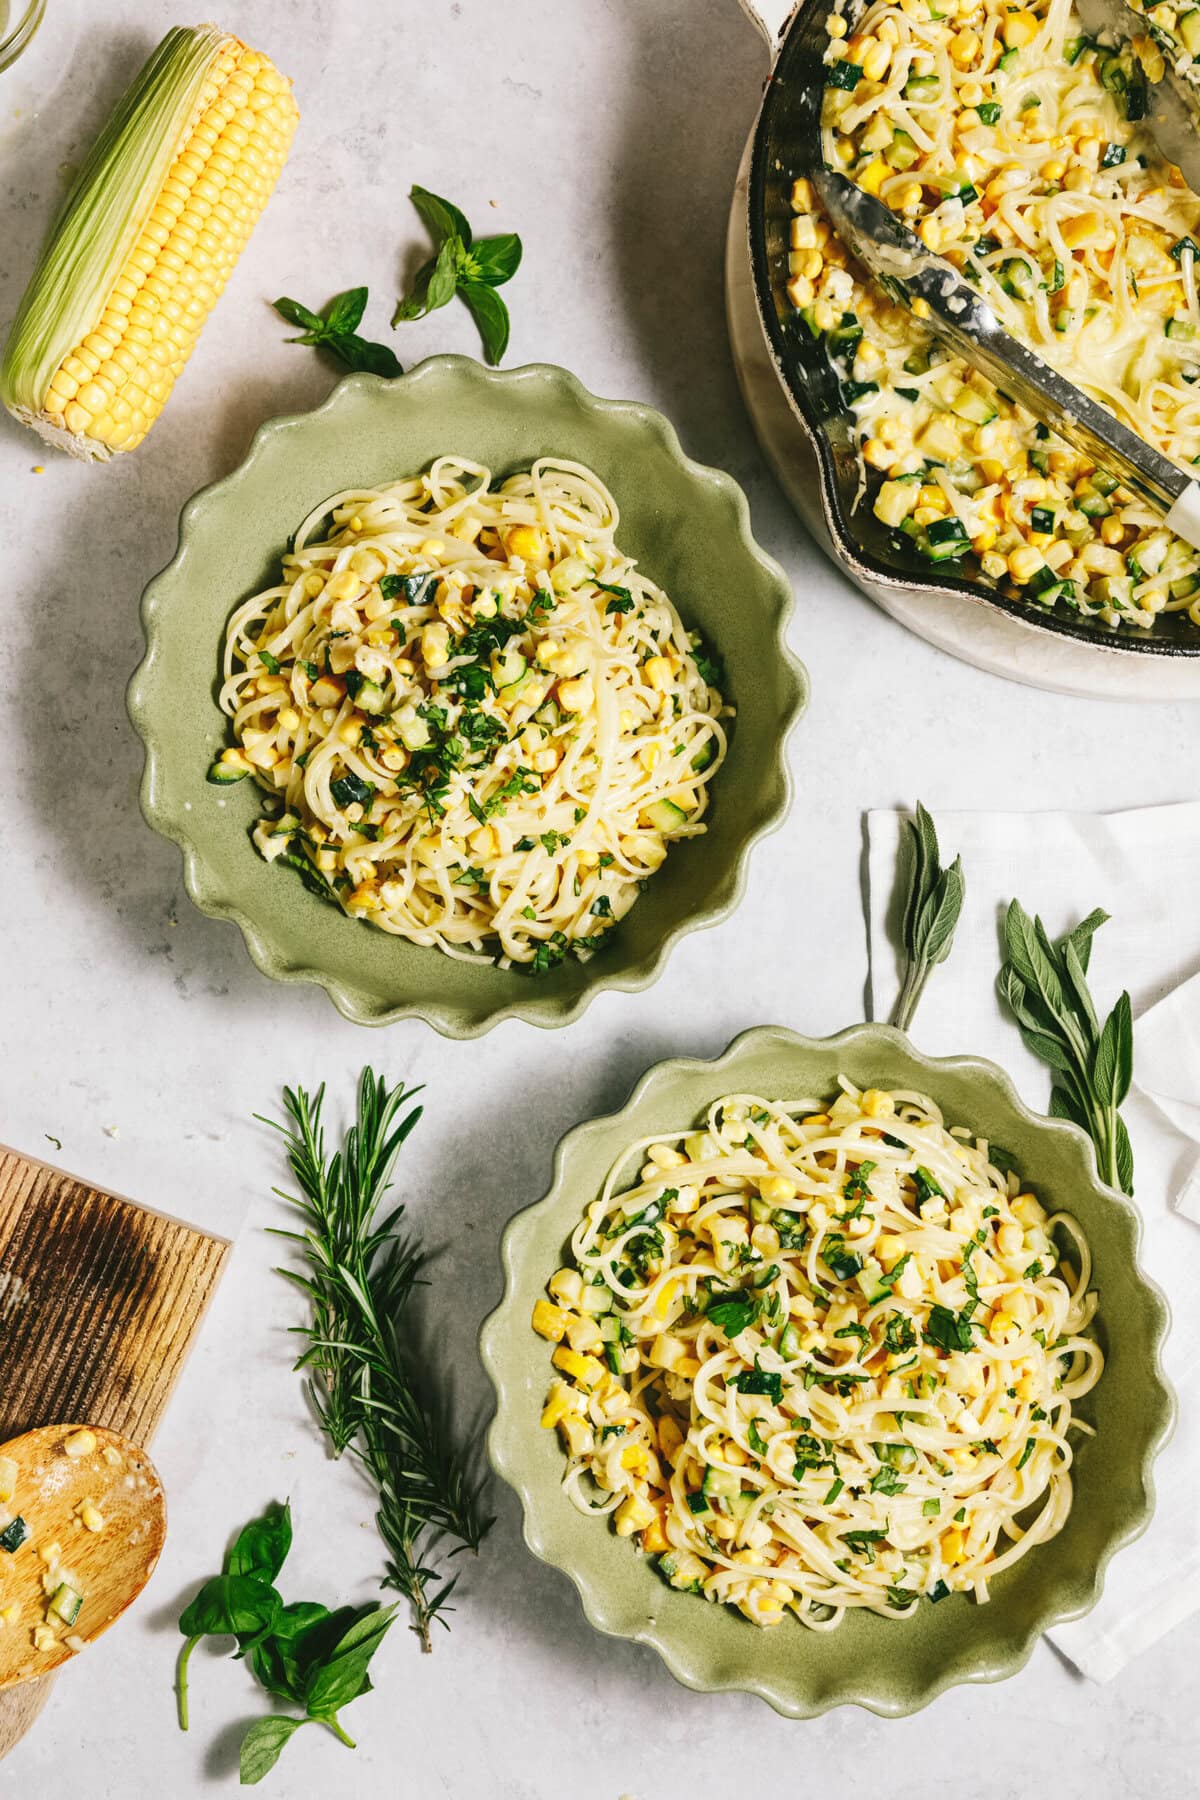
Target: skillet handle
{"x": 771, "y": 17}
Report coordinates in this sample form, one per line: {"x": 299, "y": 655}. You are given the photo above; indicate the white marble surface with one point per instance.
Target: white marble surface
{"x": 608, "y": 132}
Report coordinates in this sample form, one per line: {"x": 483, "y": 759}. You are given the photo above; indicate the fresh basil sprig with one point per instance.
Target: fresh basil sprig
{"x": 302, "y": 1653}
{"x": 932, "y": 905}
{"x": 336, "y": 330}
{"x": 1044, "y": 984}
{"x": 473, "y": 269}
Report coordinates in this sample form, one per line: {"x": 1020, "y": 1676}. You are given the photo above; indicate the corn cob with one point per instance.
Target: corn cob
{"x": 145, "y": 242}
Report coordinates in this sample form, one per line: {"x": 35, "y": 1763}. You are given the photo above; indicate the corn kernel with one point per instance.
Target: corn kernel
{"x": 550, "y": 1321}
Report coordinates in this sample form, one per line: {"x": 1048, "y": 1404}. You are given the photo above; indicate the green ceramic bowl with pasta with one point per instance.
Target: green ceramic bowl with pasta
{"x": 466, "y": 695}
{"x": 828, "y": 1369}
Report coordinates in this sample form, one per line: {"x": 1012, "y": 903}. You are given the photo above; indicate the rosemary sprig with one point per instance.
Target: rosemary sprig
{"x": 364, "y": 1373}
{"x": 1044, "y": 984}
{"x": 932, "y": 904}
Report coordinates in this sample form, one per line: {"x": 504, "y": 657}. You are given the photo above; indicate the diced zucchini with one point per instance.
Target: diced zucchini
{"x": 843, "y": 74}
{"x": 1074, "y": 48}
{"x": 66, "y": 1603}
{"x": 973, "y": 406}
{"x": 1189, "y": 30}
{"x": 989, "y": 112}
{"x": 596, "y": 1300}
{"x": 902, "y": 152}
{"x": 1104, "y": 483}
{"x": 508, "y": 667}
{"x": 698, "y": 1504}
{"x": 1065, "y": 591}
{"x": 922, "y": 87}
{"x": 1016, "y": 278}
{"x": 1041, "y": 519}
{"x": 1095, "y": 506}
{"x": 223, "y": 774}
{"x": 1112, "y": 155}
{"x": 1187, "y": 584}
{"x": 665, "y": 816}
{"x": 412, "y": 729}
{"x": 1008, "y": 61}
{"x": 14, "y": 1534}
{"x": 738, "y": 1505}
{"x": 719, "y": 1484}
{"x": 946, "y": 538}
{"x": 704, "y": 755}
{"x": 846, "y": 335}
{"x": 371, "y": 697}
{"x": 1180, "y": 330}
{"x": 610, "y": 1328}
{"x": 896, "y": 1456}
{"x": 789, "y": 1343}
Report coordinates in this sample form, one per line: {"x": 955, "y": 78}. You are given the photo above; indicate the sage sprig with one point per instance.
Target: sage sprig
{"x": 336, "y": 330}
{"x": 473, "y": 268}
{"x": 368, "y": 1380}
{"x": 1044, "y": 985}
{"x": 932, "y": 905}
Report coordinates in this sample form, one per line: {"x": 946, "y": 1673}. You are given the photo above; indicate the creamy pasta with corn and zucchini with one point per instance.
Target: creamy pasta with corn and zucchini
{"x": 818, "y": 1357}
{"x": 482, "y": 725}
{"x": 1013, "y": 144}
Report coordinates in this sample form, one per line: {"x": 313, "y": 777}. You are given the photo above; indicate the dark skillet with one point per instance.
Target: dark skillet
{"x": 787, "y": 141}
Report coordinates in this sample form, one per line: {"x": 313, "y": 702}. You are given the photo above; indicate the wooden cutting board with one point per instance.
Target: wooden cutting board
{"x": 100, "y": 1301}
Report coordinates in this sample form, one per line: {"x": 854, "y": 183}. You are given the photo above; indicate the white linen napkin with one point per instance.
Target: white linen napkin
{"x": 1143, "y": 867}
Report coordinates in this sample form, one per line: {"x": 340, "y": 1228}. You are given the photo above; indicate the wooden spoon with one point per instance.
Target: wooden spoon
{"x": 96, "y": 1519}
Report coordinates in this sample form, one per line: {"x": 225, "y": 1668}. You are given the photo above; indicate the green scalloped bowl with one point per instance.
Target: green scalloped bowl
{"x": 689, "y": 528}
{"x": 889, "y": 1667}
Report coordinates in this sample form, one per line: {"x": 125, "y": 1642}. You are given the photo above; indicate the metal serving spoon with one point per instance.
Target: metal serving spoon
{"x": 87, "y": 1515}
{"x": 957, "y": 314}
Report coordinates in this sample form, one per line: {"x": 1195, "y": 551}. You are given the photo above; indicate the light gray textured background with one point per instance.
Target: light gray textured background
{"x": 608, "y": 133}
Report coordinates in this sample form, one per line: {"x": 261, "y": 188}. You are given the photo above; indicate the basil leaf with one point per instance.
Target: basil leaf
{"x": 343, "y": 1674}
{"x": 444, "y": 278}
{"x": 261, "y": 1547}
{"x": 262, "y": 1745}
{"x": 442, "y": 218}
{"x": 361, "y": 354}
{"x": 490, "y": 314}
{"x": 295, "y": 314}
{"x": 946, "y": 1329}
{"x": 495, "y": 260}
{"x": 732, "y": 1311}
{"x": 349, "y": 788}
{"x": 345, "y": 311}
{"x": 231, "y": 1606}
{"x": 416, "y": 304}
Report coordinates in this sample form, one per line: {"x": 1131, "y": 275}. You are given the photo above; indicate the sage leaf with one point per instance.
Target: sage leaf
{"x": 1112, "y": 1066}
{"x": 932, "y": 906}
{"x": 1044, "y": 985}
{"x": 262, "y": 1745}
{"x": 1081, "y": 938}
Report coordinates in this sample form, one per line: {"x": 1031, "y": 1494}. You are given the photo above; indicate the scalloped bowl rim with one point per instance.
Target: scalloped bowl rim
{"x": 504, "y": 1438}
{"x": 203, "y": 884}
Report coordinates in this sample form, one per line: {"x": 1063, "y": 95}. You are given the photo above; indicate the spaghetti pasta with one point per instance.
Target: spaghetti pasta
{"x": 822, "y": 1357}
{"x": 483, "y": 724}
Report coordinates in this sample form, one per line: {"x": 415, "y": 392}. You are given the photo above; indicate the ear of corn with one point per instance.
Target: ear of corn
{"x": 145, "y": 242}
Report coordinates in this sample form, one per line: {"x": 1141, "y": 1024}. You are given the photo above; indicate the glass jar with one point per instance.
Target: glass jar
{"x": 19, "y": 19}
